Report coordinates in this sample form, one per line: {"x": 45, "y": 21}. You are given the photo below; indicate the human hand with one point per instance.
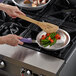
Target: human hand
{"x": 12, "y": 11}
{"x": 12, "y": 40}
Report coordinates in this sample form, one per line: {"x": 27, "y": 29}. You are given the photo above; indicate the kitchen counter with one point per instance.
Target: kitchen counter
{"x": 31, "y": 57}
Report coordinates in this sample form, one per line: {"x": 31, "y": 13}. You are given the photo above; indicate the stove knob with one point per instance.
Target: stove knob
{"x": 26, "y": 72}
{"x": 2, "y": 64}
{"x": 29, "y": 73}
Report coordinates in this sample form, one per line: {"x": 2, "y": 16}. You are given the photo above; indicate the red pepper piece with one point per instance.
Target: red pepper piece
{"x": 47, "y": 34}
{"x": 43, "y": 37}
{"x": 57, "y": 36}
{"x": 51, "y": 40}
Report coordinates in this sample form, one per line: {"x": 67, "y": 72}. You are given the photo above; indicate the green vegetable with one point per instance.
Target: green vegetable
{"x": 45, "y": 42}
{"x": 52, "y": 35}
{"x": 45, "y": 45}
{"x": 53, "y": 42}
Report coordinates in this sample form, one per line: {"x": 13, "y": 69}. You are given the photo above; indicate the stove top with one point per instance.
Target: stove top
{"x": 57, "y": 12}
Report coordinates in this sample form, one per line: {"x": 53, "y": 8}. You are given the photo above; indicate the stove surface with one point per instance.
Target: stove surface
{"x": 57, "y": 12}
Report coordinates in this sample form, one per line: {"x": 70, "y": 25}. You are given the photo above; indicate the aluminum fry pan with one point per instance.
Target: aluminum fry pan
{"x": 62, "y": 43}
{"x": 20, "y": 3}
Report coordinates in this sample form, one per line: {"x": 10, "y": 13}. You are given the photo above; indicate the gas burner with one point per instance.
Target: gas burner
{"x": 72, "y": 18}
{"x": 11, "y": 28}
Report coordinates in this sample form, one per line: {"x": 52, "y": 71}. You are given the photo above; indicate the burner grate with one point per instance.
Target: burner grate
{"x": 9, "y": 25}
{"x": 11, "y": 28}
{"x": 52, "y": 13}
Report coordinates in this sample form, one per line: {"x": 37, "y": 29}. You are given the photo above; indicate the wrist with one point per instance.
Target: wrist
{"x": 2, "y": 40}
{"x": 3, "y": 6}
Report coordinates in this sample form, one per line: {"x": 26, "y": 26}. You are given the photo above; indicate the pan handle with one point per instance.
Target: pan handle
{"x": 26, "y": 40}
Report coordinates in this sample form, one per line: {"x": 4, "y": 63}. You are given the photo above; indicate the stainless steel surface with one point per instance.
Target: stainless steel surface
{"x": 63, "y": 42}
{"x": 70, "y": 67}
{"x": 20, "y": 3}
{"x": 32, "y": 58}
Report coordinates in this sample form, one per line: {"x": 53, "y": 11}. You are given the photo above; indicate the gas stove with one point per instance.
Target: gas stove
{"x": 55, "y": 12}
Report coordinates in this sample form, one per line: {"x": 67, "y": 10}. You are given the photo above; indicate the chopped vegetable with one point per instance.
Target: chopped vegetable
{"x": 34, "y": 5}
{"x": 49, "y": 39}
{"x": 52, "y": 35}
{"x": 53, "y": 42}
{"x": 47, "y": 34}
{"x": 27, "y": 2}
{"x": 57, "y": 36}
{"x": 43, "y": 37}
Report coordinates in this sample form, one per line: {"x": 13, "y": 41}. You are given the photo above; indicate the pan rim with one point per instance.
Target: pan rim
{"x": 31, "y": 7}
{"x": 52, "y": 48}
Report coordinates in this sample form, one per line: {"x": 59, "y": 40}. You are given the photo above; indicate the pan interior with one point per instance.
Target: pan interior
{"x": 63, "y": 42}
{"x": 21, "y": 3}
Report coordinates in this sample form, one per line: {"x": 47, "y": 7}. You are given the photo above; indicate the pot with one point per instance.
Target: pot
{"x": 62, "y": 43}
{"x": 20, "y": 3}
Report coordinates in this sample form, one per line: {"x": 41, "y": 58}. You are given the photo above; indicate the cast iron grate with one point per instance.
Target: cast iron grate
{"x": 51, "y": 13}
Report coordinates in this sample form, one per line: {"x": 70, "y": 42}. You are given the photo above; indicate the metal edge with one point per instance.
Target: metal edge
{"x": 38, "y": 7}
{"x": 54, "y": 49}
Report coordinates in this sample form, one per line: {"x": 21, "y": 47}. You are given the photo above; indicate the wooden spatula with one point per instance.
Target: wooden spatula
{"x": 47, "y": 27}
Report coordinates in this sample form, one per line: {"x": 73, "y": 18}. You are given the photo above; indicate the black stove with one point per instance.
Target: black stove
{"x": 58, "y": 12}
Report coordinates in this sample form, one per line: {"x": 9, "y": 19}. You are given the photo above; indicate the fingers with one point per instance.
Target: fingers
{"x": 13, "y": 40}
{"x": 14, "y": 12}
{"x": 19, "y": 42}
{"x": 13, "y": 16}
{"x": 19, "y": 37}
{"x": 19, "y": 11}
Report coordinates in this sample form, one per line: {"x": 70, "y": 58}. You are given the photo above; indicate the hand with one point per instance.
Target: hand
{"x": 12, "y": 11}
{"x": 12, "y": 40}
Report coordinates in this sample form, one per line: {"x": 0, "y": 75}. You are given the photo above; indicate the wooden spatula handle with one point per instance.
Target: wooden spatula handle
{"x": 28, "y": 19}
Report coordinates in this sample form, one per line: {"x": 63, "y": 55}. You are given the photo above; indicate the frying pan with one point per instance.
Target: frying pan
{"x": 62, "y": 43}
{"x": 72, "y": 2}
{"x": 20, "y": 3}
